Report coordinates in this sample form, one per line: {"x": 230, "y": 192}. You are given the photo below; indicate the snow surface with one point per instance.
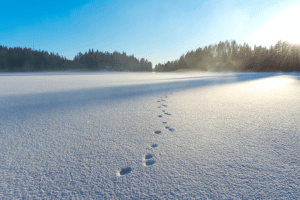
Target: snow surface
{"x": 117, "y": 135}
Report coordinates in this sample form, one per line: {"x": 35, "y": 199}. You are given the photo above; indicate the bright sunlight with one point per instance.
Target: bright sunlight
{"x": 285, "y": 25}
{"x": 282, "y": 26}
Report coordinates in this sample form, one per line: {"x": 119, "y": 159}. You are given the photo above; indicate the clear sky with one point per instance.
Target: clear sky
{"x": 158, "y": 30}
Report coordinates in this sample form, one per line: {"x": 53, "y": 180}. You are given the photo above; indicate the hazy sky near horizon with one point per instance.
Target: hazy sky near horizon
{"x": 159, "y": 31}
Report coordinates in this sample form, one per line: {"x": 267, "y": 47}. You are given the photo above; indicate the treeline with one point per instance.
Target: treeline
{"x": 229, "y": 56}
{"x": 19, "y": 59}
{"x": 110, "y": 61}
{"x": 23, "y": 59}
{"x": 225, "y": 56}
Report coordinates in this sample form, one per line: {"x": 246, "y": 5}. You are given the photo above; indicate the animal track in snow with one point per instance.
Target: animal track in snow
{"x": 164, "y": 105}
{"x": 154, "y": 145}
{"x": 125, "y": 171}
{"x": 149, "y": 162}
{"x": 164, "y": 122}
{"x": 157, "y": 132}
{"x": 159, "y": 115}
{"x": 148, "y": 156}
{"x": 163, "y": 110}
{"x": 170, "y": 129}
{"x": 158, "y": 101}
{"x": 167, "y": 113}
{"x": 159, "y": 106}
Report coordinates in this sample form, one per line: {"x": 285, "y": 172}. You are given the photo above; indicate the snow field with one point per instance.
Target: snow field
{"x": 182, "y": 136}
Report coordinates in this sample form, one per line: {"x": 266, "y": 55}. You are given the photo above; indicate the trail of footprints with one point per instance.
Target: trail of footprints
{"x": 148, "y": 159}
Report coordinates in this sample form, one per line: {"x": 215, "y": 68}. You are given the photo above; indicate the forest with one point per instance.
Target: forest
{"x": 225, "y": 56}
{"x": 229, "y": 56}
{"x": 19, "y": 59}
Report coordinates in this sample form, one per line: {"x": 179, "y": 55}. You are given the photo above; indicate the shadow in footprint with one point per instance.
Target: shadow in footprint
{"x": 164, "y": 122}
{"x": 159, "y": 115}
{"x": 125, "y": 171}
{"x": 149, "y": 162}
{"x": 154, "y": 145}
{"x": 167, "y": 127}
{"x": 171, "y": 129}
{"x": 148, "y": 156}
{"x": 157, "y": 132}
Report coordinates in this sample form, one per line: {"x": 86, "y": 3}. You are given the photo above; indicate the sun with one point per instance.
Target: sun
{"x": 281, "y": 26}
{"x": 286, "y": 25}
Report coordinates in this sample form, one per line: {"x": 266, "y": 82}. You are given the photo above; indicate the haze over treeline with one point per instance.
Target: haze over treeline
{"x": 225, "y": 56}
{"x": 230, "y": 56}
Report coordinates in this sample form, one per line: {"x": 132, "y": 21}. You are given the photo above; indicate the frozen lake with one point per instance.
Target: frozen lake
{"x": 149, "y": 135}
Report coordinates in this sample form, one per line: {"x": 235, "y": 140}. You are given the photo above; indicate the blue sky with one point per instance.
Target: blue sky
{"x": 158, "y": 30}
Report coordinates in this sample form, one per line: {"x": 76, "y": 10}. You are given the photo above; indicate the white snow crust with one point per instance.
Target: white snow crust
{"x": 116, "y": 135}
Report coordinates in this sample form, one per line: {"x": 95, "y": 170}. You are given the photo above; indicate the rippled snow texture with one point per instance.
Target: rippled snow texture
{"x": 149, "y": 135}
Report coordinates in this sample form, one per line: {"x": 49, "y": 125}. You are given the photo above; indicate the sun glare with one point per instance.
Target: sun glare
{"x": 273, "y": 82}
{"x": 285, "y": 25}
{"x": 282, "y": 26}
